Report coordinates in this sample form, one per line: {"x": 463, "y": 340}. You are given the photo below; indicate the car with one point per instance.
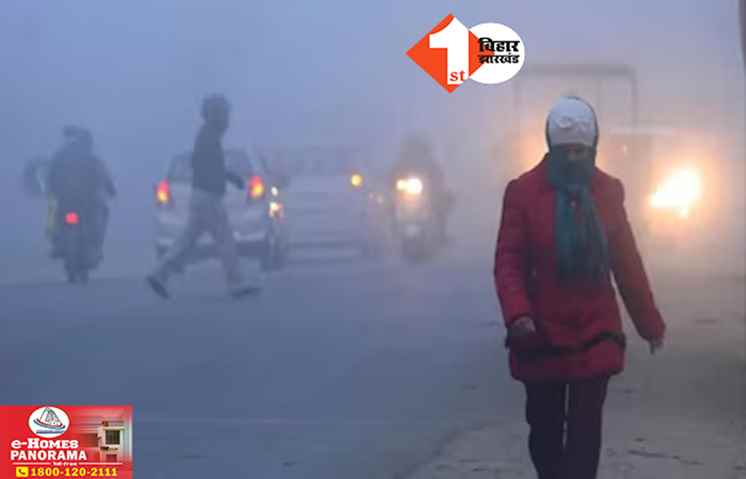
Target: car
{"x": 331, "y": 201}
{"x": 256, "y": 213}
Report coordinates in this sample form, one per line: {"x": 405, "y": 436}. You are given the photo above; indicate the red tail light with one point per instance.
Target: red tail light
{"x": 163, "y": 193}
{"x": 256, "y": 187}
{"x": 71, "y": 218}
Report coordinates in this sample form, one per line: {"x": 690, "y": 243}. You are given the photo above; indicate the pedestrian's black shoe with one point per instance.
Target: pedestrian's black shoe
{"x": 242, "y": 291}
{"x": 157, "y": 286}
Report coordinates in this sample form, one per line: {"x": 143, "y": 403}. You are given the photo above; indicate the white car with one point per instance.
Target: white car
{"x": 329, "y": 202}
{"x": 256, "y": 212}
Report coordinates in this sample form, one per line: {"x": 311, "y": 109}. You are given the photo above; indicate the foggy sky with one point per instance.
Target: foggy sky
{"x": 323, "y": 72}
{"x": 135, "y": 71}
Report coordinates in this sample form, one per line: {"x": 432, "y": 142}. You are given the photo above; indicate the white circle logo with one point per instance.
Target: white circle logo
{"x": 451, "y": 53}
{"x": 501, "y": 53}
{"x": 48, "y": 422}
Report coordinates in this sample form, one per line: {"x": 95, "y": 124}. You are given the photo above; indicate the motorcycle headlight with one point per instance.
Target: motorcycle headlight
{"x": 410, "y": 186}
{"x": 679, "y": 192}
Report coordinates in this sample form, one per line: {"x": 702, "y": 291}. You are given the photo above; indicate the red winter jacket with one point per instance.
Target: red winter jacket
{"x": 579, "y": 329}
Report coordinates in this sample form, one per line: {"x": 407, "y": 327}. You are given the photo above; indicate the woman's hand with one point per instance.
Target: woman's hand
{"x": 235, "y": 179}
{"x": 522, "y": 326}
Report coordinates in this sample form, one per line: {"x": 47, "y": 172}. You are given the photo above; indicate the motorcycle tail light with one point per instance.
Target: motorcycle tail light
{"x": 71, "y": 218}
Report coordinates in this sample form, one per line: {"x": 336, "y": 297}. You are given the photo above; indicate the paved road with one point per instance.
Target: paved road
{"x": 341, "y": 368}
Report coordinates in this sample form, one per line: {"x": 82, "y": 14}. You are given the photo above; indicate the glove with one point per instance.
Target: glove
{"x": 523, "y": 338}
{"x": 522, "y": 326}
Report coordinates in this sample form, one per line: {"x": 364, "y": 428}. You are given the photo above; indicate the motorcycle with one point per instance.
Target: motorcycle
{"x": 73, "y": 233}
{"x": 75, "y": 248}
{"x": 416, "y": 225}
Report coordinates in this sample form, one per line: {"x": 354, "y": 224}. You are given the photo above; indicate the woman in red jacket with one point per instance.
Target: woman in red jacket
{"x": 564, "y": 232}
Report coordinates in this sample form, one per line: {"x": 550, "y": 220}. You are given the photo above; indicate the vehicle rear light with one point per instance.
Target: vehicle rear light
{"x": 163, "y": 193}
{"x": 71, "y": 218}
{"x": 256, "y": 187}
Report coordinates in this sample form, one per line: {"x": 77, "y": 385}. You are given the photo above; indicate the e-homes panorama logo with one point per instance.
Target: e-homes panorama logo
{"x": 48, "y": 422}
{"x": 451, "y": 53}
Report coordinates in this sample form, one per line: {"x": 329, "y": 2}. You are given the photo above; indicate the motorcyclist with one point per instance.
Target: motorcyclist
{"x": 79, "y": 181}
{"x": 416, "y": 158}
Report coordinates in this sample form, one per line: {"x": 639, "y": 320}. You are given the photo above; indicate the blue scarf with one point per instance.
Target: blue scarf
{"x": 580, "y": 241}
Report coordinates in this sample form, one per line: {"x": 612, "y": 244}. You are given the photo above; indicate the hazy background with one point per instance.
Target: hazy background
{"x": 328, "y": 72}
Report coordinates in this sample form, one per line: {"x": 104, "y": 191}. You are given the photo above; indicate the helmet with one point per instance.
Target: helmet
{"x": 72, "y": 132}
{"x": 78, "y": 136}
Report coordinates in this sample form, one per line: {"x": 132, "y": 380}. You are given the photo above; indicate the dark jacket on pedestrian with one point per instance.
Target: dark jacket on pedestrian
{"x": 208, "y": 161}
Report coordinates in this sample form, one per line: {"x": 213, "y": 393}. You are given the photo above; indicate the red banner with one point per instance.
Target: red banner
{"x": 66, "y": 441}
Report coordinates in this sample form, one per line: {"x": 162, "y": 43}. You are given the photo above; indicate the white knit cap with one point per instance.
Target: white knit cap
{"x": 571, "y": 121}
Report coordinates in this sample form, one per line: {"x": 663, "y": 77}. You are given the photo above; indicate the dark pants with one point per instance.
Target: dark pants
{"x": 565, "y": 421}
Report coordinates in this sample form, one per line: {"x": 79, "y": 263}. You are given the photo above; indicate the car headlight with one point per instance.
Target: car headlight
{"x": 275, "y": 209}
{"x": 356, "y": 180}
{"x": 679, "y": 192}
{"x": 410, "y": 186}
